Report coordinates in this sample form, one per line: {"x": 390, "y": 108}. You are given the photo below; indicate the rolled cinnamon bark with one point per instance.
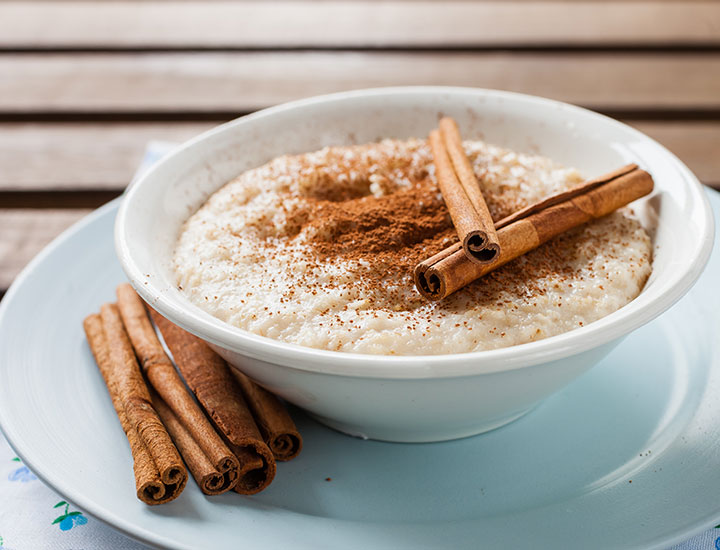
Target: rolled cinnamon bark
{"x": 481, "y": 245}
{"x": 209, "y": 378}
{"x": 464, "y": 217}
{"x": 206, "y": 475}
{"x": 152, "y": 485}
{"x": 271, "y": 416}
{"x": 449, "y": 270}
{"x": 566, "y": 195}
{"x": 167, "y": 383}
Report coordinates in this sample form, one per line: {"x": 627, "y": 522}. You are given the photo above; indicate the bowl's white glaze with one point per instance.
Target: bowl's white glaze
{"x": 418, "y": 398}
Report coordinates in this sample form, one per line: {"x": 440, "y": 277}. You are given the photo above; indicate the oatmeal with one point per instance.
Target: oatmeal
{"x": 319, "y": 249}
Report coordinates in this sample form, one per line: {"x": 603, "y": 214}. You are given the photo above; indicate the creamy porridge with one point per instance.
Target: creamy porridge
{"x": 319, "y": 249}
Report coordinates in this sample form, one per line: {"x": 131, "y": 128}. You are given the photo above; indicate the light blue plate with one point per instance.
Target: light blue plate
{"x": 628, "y": 456}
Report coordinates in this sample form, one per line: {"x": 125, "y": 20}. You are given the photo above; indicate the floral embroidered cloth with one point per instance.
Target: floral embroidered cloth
{"x": 34, "y": 517}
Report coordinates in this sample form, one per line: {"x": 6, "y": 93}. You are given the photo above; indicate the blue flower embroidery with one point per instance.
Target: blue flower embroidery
{"x": 23, "y": 473}
{"x": 717, "y": 543}
{"x": 69, "y": 519}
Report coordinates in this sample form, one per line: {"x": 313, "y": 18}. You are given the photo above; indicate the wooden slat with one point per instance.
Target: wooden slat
{"x": 697, "y": 144}
{"x": 92, "y": 157}
{"x": 51, "y": 157}
{"x": 25, "y": 233}
{"x": 356, "y": 24}
{"x": 240, "y": 82}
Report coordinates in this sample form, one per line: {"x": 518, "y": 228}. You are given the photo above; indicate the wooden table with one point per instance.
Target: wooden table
{"x": 84, "y": 85}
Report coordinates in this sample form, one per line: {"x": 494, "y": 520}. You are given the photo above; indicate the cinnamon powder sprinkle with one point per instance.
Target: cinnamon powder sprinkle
{"x": 318, "y": 249}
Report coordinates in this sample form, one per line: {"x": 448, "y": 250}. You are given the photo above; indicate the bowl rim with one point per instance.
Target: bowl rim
{"x": 297, "y": 357}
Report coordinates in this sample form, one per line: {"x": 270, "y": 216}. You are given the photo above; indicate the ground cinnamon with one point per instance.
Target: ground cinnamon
{"x": 209, "y": 378}
{"x": 167, "y": 383}
{"x": 449, "y": 270}
{"x": 376, "y": 238}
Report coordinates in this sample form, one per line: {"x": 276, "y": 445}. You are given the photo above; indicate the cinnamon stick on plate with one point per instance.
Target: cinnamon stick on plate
{"x": 160, "y": 475}
{"x": 149, "y": 486}
{"x": 450, "y": 270}
{"x": 461, "y": 193}
{"x": 275, "y": 424}
{"x": 173, "y": 395}
{"x": 206, "y": 474}
{"x": 209, "y": 378}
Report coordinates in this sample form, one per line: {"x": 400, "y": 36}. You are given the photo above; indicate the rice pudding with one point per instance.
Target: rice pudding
{"x": 318, "y": 250}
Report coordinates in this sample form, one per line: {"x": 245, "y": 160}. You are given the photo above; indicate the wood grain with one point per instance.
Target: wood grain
{"x": 25, "y": 232}
{"x": 52, "y": 157}
{"x": 241, "y": 82}
{"x": 104, "y": 156}
{"x": 696, "y": 143}
{"x": 357, "y": 24}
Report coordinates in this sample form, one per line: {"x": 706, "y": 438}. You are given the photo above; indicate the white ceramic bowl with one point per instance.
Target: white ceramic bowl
{"x": 419, "y": 398}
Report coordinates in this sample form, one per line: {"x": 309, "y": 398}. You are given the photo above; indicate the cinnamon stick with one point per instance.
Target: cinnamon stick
{"x": 565, "y": 195}
{"x": 167, "y": 383}
{"x": 450, "y": 270}
{"x": 209, "y": 378}
{"x": 271, "y": 416}
{"x": 461, "y": 193}
{"x": 156, "y": 481}
{"x": 486, "y": 247}
{"x": 205, "y": 473}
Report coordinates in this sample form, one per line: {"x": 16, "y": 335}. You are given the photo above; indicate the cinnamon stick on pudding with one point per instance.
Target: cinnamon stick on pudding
{"x": 271, "y": 416}
{"x": 160, "y": 475}
{"x": 450, "y": 269}
{"x": 174, "y": 395}
{"x": 461, "y": 193}
{"x": 209, "y": 378}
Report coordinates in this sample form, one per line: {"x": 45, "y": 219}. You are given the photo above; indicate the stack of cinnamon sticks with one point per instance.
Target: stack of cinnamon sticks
{"x": 483, "y": 245}
{"x": 228, "y": 431}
